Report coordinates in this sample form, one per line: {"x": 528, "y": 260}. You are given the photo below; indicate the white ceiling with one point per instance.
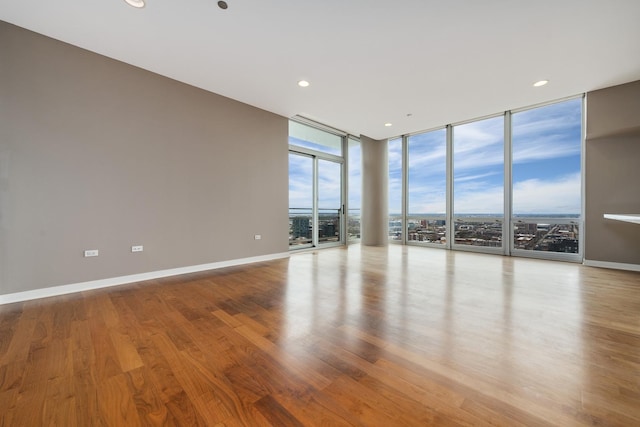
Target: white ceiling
{"x": 369, "y": 61}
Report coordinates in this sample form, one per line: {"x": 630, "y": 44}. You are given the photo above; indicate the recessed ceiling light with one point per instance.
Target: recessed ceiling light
{"x": 135, "y": 3}
{"x": 388, "y": 124}
{"x": 541, "y": 83}
{"x": 303, "y": 83}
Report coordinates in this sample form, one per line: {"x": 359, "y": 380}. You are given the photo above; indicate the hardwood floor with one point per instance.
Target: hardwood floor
{"x": 398, "y": 336}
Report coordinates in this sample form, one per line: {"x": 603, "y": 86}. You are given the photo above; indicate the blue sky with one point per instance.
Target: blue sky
{"x": 301, "y": 173}
{"x": 300, "y": 181}
{"x": 427, "y": 172}
{"x": 546, "y": 167}
{"x": 355, "y": 176}
{"x": 301, "y": 184}
{"x": 546, "y": 159}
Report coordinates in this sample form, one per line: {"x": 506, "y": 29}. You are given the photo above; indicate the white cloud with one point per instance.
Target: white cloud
{"x": 486, "y": 200}
{"x": 548, "y": 132}
{"x": 437, "y": 206}
{"x": 559, "y": 196}
{"x": 477, "y": 176}
{"x": 533, "y": 196}
{"x": 434, "y": 158}
{"x": 545, "y": 147}
{"x": 301, "y": 185}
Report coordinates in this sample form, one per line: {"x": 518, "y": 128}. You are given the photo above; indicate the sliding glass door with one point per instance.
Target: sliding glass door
{"x": 329, "y": 184}
{"x": 316, "y": 187}
{"x": 301, "y": 200}
{"x": 315, "y": 201}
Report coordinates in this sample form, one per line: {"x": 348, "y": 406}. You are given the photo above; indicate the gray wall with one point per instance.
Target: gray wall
{"x": 612, "y": 173}
{"x": 97, "y": 154}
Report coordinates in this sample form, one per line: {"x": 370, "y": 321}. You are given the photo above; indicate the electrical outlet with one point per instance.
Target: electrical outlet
{"x": 137, "y": 248}
{"x": 257, "y": 237}
{"x": 91, "y": 252}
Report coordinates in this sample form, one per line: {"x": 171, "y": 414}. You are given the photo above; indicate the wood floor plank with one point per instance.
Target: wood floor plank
{"x": 151, "y": 409}
{"x": 10, "y": 315}
{"x": 203, "y": 388}
{"x": 275, "y": 413}
{"x": 28, "y": 406}
{"x": 292, "y": 364}
{"x": 20, "y": 334}
{"x": 105, "y": 357}
{"x": 60, "y": 406}
{"x": 358, "y": 336}
{"x": 184, "y": 411}
{"x": 444, "y": 404}
{"x": 12, "y": 375}
{"x": 87, "y": 400}
{"x": 161, "y": 372}
{"x": 371, "y": 407}
{"x": 317, "y": 408}
{"x": 116, "y": 404}
{"x": 498, "y": 395}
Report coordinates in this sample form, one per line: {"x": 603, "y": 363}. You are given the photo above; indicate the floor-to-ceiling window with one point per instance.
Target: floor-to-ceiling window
{"x": 427, "y": 188}
{"x": 508, "y": 184}
{"x": 478, "y": 183}
{"x": 354, "y": 189}
{"x": 395, "y": 188}
{"x": 546, "y": 178}
{"x": 316, "y": 193}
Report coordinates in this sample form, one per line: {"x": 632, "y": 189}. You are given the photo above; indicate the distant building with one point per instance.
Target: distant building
{"x": 328, "y": 230}
{"x": 301, "y": 227}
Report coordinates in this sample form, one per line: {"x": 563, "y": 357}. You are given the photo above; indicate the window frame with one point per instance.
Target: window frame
{"x": 316, "y": 156}
{"x": 509, "y": 221}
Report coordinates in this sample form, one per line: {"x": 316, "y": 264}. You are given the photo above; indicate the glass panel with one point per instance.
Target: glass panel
{"x": 329, "y": 201}
{"x": 355, "y": 189}
{"x": 427, "y": 187}
{"x": 546, "y": 161}
{"x": 316, "y": 139}
{"x": 300, "y": 199}
{"x": 427, "y": 173}
{"x": 395, "y": 189}
{"x": 478, "y": 182}
{"x": 535, "y": 236}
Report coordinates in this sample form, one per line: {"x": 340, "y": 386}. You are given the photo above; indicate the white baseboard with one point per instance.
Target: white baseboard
{"x": 115, "y": 281}
{"x": 613, "y": 265}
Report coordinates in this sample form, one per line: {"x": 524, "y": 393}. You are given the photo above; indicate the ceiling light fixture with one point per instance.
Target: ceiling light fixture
{"x": 135, "y": 3}
{"x": 388, "y": 124}
{"x": 540, "y": 83}
{"x": 303, "y": 83}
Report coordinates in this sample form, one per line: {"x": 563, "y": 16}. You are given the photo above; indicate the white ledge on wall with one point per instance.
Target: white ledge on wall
{"x": 634, "y": 218}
